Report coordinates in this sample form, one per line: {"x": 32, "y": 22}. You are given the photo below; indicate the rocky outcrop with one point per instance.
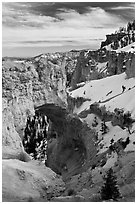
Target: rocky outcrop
{"x": 112, "y": 38}
{"x": 51, "y": 79}
{"x": 87, "y": 67}
{"x": 11, "y": 142}
{"x": 70, "y": 59}
{"x": 75, "y": 102}
{"x": 121, "y": 62}
{"x": 81, "y": 71}
{"x": 30, "y": 83}
{"x": 121, "y": 38}
{"x": 116, "y": 63}
{"x": 130, "y": 66}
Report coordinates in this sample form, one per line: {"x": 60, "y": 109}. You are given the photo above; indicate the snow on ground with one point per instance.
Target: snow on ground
{"x": 115, "y": 133}
{"x": 101, "y": 66}
{"x": 126, "y": 101}
{"x": 103, "y": 90}
{"x": 81, "y": 84}
{"x": 108, "y": 92}
{"x": 84, "y": 106}
{"x": 90, "y": 120}
{"x": 112, "y": 159}
{"x": 128, "y": 48}
{"x": 131, "y": 145}
{"x": 108, "y": 47}
{"x": 19, "y": 61}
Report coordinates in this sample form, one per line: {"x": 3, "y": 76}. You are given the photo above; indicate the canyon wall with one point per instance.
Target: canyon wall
{"x": 73, "y": 150}
{"x": 25, "y": 85}
{"x": 92, "y": 65}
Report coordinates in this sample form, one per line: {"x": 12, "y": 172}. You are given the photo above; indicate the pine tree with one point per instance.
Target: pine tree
{"x": 104, "y": 128}
{"x": 110, "y": 189}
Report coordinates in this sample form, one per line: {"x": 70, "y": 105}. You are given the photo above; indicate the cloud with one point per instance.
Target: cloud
{"x": 15, "y": 16}
{"x": 27, "y": 24}
{"x": 129, "y": 5}
{"x": 121, "y": 8}
{"x": 93, "y": 18}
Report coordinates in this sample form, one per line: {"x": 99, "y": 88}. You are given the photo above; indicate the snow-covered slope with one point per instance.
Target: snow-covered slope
{"x": 128, "y": 48}
{"x": 102, "y": 67}
{"x": 108, "y": 91}
{"x": 116, "y": 133}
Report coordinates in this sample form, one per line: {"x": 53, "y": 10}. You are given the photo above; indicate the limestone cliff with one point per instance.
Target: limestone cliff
{"x": 30, "y": 83}
{"x": 121, "y": 62}
{"x": 25, "y": 85}
{"x": 87, "y": 67}
{"x": 92, "y": 65}
{"x": 12, "y": 144}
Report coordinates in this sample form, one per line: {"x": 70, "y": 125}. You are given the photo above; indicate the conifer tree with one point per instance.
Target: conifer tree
{"x": 110, "y": 189}
{"x": 104, "y": 128}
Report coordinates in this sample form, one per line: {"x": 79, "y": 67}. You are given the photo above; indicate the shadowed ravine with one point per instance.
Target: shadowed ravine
{"x": 67, "y": 154}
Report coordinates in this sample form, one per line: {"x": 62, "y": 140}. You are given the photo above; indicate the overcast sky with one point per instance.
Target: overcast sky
{"x": 29, "y": 29}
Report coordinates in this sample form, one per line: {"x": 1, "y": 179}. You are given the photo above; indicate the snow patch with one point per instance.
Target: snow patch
{"x": 112, "y": 159}
{"x": 128, "y": 48}
{"x": 115, "y": 133}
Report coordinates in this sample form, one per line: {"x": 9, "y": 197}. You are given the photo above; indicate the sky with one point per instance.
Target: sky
{"x": 32, "y": 28}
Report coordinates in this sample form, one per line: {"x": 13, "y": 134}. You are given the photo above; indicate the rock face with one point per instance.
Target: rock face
{"x": 11, "y": 142}
{"x": 73, "y": 150}
{"x": 23, "y": 179}
{"x": 79, "y": 74}
{"x": 130, "y": 66}
{"x": 121, "y": 62}
{"x": 87, "y": 67}
{"x": 28, "y": 84}
{"x": 101, "y": 63}
{"x": 51, "y": 79}
{"x": 112, "y": 38}
{"x": 121, "y": 38}
{"x": 29, "y": 182}
{"x": 25, "y": 85}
